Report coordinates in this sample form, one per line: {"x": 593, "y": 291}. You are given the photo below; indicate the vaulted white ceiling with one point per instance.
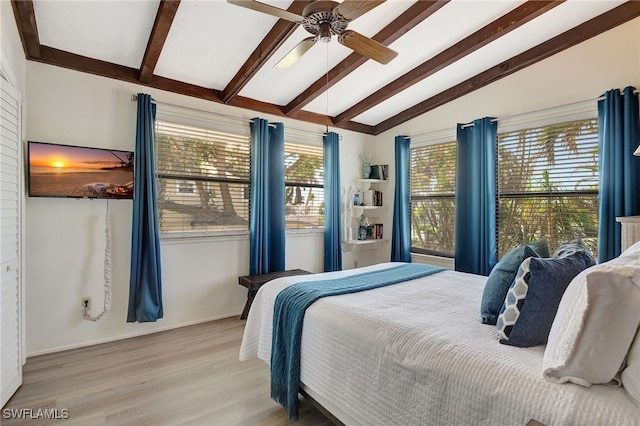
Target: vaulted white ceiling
{"x": 209, "y": 41}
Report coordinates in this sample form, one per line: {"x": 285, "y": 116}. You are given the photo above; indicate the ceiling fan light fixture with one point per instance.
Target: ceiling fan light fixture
{"x": 325, "y": 32}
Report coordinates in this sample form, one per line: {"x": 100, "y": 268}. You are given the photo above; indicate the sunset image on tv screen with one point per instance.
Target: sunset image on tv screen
{"x": 79, "y": 172}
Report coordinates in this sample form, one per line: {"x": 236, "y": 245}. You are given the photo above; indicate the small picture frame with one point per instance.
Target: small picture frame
{"x": 363, "y": 233}
{"x": 356, "y": 199}
{"x": 375, "y": 172}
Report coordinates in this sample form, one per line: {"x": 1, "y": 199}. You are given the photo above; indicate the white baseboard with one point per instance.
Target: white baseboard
{"x": 126, "y": 336}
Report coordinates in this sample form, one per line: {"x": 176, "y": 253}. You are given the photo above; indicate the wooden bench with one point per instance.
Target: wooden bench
{"x": 254, "y": 282}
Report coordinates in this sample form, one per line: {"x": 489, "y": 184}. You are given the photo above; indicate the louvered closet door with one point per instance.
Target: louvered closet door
{"x": 10, "y": 363}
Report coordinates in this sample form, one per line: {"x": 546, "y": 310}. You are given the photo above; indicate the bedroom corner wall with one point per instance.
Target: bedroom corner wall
{"x": 65, "y": 237}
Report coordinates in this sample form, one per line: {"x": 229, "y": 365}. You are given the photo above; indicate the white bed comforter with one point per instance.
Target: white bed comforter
{"x": 416, "y": 353}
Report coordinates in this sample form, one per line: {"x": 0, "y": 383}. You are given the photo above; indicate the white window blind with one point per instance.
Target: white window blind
{"x": 433, "y": 189}
{"x": 304, "y": 186}
{"x": 203, "y": 178}
{"x": 548, "y": 184}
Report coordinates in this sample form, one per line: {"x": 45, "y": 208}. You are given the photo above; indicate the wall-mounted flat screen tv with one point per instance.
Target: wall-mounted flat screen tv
{"x": 56, "y": 170}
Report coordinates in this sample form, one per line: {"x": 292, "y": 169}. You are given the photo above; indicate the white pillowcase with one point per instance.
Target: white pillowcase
{"x": 631, "y": 374}
{"x": 596, "y": 322}
{"x": 632, "y": 251}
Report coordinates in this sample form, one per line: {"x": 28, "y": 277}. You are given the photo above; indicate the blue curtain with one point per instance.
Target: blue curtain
{"x": 332, "y": 222}
{"x": 619, "y": 135}
{"x": 267, "y": 222}
{"x": 145, "y": 284}
{"x": 401, "y": 233}
{"x": 475, "y": 223}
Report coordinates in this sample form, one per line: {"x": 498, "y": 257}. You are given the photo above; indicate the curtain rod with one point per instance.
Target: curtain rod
{"x": 432, "y": 132}
{"x": 134, "y": 98}
{"x": 464, "y": 126}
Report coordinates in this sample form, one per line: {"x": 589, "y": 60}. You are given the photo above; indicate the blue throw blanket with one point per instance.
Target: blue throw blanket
{"x": 288, "y": 315}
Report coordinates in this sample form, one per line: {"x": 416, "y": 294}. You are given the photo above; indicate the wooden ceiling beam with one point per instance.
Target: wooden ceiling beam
{"x": 417, "y": 13}
{"x": 309, "y": 117}
{"x": 164, "y": 18}
{"x": 491, "y": 32}
{"x": 80, "y": 63}
{"x": 27, "y": 28}
{"x": 64, "y": 59}
{"x": 280, "y": 32}
{"x": 598, "y": 25}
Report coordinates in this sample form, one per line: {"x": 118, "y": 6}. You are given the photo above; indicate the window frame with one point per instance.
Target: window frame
{"x": 444, "y": 139}
{"x": 538, "y": 119}
{"x": 312, "y": 141}
{"x": 206, "y": 121}
{"x": 567, "y": 123}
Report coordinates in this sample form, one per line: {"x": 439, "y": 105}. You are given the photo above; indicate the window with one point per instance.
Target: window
{"x": 304, "y": 186}
{"x": 433, "y": 190}
{"x": 548, "y": 185}
{"x": 203, "y": 178}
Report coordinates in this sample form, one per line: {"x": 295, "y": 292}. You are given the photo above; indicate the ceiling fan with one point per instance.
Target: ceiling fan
{"x": 323, "y": 19}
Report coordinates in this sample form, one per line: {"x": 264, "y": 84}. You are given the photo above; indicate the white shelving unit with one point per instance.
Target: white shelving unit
{"x": 354, "y": 212}
{"x": 351, "y": 245}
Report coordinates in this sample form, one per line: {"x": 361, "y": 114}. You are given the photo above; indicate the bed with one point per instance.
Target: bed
{"x": 415, "y": 353}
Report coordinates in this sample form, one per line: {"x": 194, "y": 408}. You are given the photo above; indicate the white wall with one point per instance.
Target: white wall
{"x": 65, "y": 237}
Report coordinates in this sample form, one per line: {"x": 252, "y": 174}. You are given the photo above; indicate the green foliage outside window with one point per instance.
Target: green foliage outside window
{"x": 547, "y": 185}
{"x": 433, "y": 198}
{"x": 304, "y": 186}
{"x": 202, "y": 179}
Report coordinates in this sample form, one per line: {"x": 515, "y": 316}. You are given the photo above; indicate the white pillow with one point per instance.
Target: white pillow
{"x": 631, "y": 374}
{"x": 596, "y": 322}
{"x": 632, "y": 251}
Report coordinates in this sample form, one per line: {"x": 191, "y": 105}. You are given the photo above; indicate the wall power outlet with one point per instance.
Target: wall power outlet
{"x": 86, "y": 303}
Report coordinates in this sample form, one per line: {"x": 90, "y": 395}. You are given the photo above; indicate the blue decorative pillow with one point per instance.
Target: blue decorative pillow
{"x": 575, "y": 246}
{"x": 532, "y": 301}
{"x": 541, "y": 246}
{"x": 499, "y": 281}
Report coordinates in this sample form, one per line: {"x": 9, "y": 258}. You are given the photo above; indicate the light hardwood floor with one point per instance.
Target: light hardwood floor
{"x": 186, "y": 376}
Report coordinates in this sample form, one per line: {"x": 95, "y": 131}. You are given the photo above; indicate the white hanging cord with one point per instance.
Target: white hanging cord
{"x": 107, "y": 272}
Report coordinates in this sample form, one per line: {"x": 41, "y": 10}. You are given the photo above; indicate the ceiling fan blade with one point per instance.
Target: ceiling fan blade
{"x": 367, "y": 47}
{"x": 295, "y": 53}
{"x": 351, "y": 9}
{"x": 268, "y": 9}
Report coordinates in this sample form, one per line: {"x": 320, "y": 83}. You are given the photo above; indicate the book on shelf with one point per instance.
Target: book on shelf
{"x": 371, "y": 197}
{"x": 371, "y": 232}
{"x": 376, "y": 231}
